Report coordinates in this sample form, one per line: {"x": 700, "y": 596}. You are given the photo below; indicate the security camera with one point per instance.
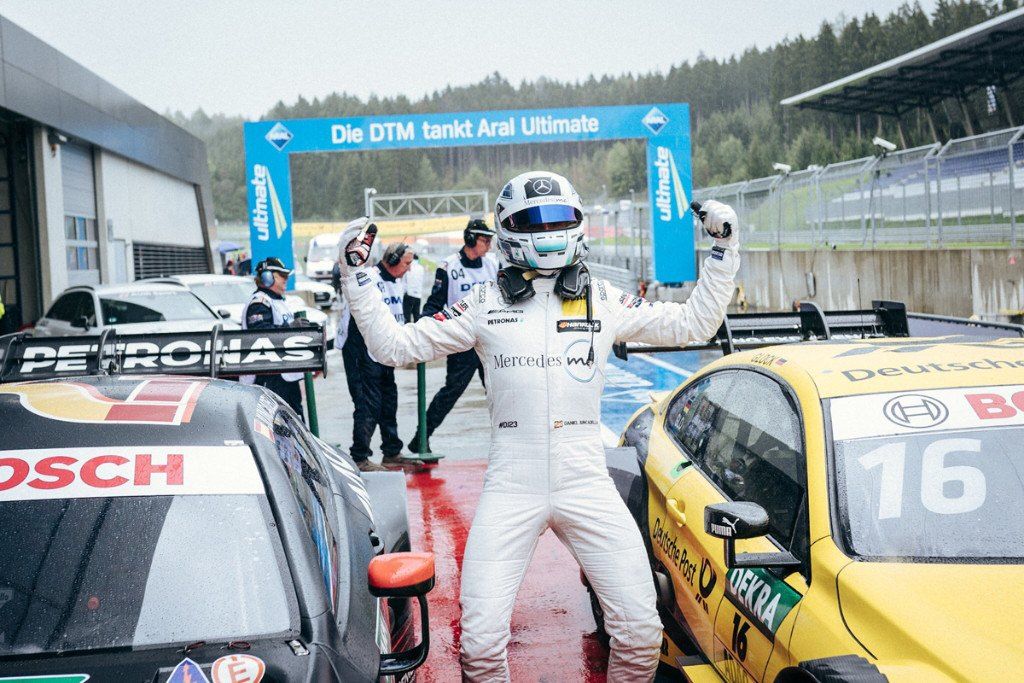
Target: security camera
{"x": 782, "y": 168}
{"x": 884, "y": 144}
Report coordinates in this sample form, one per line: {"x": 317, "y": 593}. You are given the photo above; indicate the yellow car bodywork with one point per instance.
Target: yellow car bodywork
{"x": 912, "y": 621}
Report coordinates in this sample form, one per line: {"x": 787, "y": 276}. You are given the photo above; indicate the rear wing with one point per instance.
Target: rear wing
{"x": 216, "y": 353}
{"x": 745, "y": 331}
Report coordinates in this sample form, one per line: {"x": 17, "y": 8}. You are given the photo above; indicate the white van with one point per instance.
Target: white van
{"x": 323, "y": 250}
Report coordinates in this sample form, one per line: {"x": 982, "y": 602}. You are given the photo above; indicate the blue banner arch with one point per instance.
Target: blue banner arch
{"x": 665, "y": 127}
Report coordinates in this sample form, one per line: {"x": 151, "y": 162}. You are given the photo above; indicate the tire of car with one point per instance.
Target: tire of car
{"x": 843, "y": 669}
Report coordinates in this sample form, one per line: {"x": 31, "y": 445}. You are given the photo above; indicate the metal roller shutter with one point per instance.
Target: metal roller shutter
{"x": 159, "y": 260}
{"x": 79, "y": 182}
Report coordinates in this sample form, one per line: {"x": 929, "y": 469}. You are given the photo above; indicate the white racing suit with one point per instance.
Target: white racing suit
{"x": 547, "y": 465}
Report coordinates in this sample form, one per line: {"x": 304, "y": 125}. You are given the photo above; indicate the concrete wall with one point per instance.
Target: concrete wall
{"x": 988, "y": 283}
{"x": 50, "y": 210}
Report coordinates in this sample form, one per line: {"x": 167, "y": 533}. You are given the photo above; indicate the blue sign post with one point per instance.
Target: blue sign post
{"x": 666, "y": 127}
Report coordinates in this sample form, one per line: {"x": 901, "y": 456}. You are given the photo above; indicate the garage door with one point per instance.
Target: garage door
{"x": 79, "y": 186}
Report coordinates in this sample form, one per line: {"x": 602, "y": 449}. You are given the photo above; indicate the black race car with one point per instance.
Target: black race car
{"x": 162, "y": 527}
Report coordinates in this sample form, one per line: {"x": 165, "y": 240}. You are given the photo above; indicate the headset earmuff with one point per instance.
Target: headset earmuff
{"x": 395, "y": 257}
{"x": 514, "y": 287}
{"x": 264, "y": 276}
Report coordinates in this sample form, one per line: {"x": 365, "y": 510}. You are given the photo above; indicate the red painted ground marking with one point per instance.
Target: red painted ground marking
{"x": 552, "y": 627}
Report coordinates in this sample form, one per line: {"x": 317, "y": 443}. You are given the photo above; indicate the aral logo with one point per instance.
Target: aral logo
{"x": 655, "y": 120}
{"x": 915, "y": 410}
{"x": 279, "y": 136}
{"x": 669, "y": 183}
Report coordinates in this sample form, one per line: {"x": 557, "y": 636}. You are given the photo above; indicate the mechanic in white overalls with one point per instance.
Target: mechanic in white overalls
{"x": 456, "y": 275}
{"x": 544, "y": 332}
{"x": 267, "y": 310}
{"x": 373, "y": 388}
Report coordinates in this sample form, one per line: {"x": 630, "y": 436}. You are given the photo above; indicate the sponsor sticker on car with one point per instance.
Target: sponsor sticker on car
{"x": 238, "y": 669}
{"x": 187, "y": 671}
{"x": 910, "y": 412}
{"x": 57, "y": 473}
{"x": 762, "y": 597}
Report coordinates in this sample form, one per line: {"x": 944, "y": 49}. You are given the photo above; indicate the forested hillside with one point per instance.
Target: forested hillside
{"x": 738, "y": 127}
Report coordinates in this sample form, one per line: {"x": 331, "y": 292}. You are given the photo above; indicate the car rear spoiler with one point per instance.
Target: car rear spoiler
{"x": 213, "y": 354}
{"x": 745, "y": 331}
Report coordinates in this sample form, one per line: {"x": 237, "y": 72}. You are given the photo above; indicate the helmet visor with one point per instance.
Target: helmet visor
{"x": 543, "y": 218}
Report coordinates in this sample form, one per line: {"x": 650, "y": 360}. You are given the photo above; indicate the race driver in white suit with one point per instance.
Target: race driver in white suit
{"x": 543, "y": 333}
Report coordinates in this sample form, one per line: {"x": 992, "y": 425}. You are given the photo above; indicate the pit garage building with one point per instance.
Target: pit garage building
{"x": 94, "y": 186}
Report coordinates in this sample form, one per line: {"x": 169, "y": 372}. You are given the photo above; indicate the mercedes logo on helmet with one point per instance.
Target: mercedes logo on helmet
{"x": 916, "y": 411}
{"x": 541, "y": 186}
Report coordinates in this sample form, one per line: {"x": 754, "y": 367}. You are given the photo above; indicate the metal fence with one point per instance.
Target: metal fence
{"x": 967, "y": 191}
{"x": 619, "y": 237}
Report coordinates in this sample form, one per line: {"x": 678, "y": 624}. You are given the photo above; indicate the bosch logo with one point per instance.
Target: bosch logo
{"x": 916, "y": 411}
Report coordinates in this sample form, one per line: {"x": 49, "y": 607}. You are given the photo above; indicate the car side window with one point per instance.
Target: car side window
{"x": 311, "y": 485}
{"x": 72, "y": 306}
{"x": 61, "y": 309}
{"x": 86, "y": 307}
{"x": 755, "y": 454}
{"x": 690, "y": 416}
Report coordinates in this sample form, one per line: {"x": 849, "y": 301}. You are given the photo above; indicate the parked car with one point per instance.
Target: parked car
{"x": 230, "y": 294}
{"x": 131, "y": 308}
{"x": 323, "y": 250}
{"x": 313, "y": 292}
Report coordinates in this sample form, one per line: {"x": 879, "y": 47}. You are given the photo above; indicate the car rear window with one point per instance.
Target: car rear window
{"x": 121, "y": 547}
{"x": 152, "y": 307}
{"x": 223, "y": 293}
{"x": 933, "y": 475}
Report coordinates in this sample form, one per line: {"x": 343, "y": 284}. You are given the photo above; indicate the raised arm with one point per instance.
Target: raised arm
{"x": 449, "y": 331}
{"x": 697, "y": 319}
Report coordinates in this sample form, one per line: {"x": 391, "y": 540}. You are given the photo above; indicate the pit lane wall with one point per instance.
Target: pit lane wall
{"x": 988, "y": 283}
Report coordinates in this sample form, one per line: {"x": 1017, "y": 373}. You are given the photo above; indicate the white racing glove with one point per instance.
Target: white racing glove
{"x": 719, "y": 220}
{"x": 357, "y": 240}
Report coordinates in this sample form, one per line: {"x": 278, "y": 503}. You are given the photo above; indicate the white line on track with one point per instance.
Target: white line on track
{"x": 662, "y": 364}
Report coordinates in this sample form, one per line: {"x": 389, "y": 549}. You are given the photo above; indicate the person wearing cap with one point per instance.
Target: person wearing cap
{"x": 456, "y": 275}
{"x": 267, "y": 310}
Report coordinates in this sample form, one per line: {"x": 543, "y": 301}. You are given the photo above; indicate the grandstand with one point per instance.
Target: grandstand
{"x": 968, "y": 190}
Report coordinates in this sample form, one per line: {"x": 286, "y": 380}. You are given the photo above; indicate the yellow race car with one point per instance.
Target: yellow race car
{"x": 840, "y": 510}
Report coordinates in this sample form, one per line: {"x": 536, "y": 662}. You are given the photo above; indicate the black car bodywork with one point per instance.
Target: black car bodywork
{"x": 78, "y": 556}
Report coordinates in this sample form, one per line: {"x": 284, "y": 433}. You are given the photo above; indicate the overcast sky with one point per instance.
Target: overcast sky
{"x": 242, "y": 56}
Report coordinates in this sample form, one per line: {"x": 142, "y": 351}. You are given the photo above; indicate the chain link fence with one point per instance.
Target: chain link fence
{"x": 619, "y": 238}
{"x": 968, "y": 191}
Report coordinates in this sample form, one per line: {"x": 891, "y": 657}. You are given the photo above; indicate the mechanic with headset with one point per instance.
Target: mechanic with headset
{"x": 414, "y": 289}
{"x": 543, "y": 332}
{"x": 372, "y": 384}
{"x": 267, "y": 310}
{"x": 455, "y": 277}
